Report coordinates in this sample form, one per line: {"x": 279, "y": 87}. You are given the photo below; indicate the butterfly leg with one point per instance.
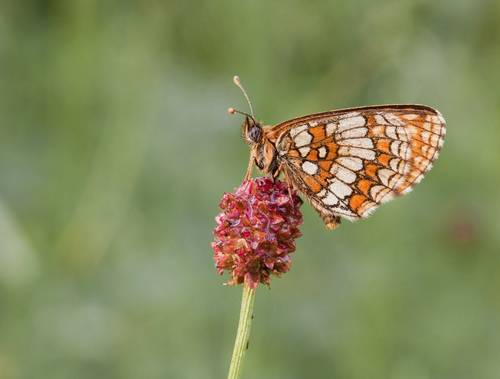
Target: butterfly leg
{"x": 250, "y": 166}
{"x": 289, "y": 182}
{"x": 277, "y": 171}
{"x": 249, "y": 170}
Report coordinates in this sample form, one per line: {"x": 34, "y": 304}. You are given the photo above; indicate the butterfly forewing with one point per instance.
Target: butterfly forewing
{"x": 347, "y": 162}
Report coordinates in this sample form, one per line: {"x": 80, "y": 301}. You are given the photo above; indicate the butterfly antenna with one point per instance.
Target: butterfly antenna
{"x": 236, "y": 80}
{"x": 233, "y": 111}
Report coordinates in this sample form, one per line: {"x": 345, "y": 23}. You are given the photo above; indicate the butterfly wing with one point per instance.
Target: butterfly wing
{"x": 348, "y": 162}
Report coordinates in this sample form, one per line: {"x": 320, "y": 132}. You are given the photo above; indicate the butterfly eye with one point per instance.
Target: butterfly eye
{"x": 254, "y": 133}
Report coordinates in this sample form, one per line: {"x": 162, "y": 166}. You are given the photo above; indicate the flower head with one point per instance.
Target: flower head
{"x": 256, "y": 231}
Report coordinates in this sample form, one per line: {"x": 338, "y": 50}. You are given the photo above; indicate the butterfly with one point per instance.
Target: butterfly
{"x": 347, "y": 162}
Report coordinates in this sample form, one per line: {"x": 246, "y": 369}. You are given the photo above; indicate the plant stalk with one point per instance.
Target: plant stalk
{"x": 243, "y": 334}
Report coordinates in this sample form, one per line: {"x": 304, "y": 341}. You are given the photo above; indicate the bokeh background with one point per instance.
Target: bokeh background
{"x": 115, "y": 148}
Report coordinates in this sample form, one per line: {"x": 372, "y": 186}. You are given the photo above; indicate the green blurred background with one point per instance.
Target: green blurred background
{"x": 115, "y": 148}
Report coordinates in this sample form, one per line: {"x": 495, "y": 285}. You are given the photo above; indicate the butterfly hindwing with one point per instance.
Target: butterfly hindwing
{"x": 347, "y": 162}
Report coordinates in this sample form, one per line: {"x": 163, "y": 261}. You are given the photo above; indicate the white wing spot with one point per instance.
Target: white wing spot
{"x": 297, "y": 130}
{"x": 396, "y": 132}
{"x": 303, "y": 138}
{"x": 394, "y": 120}
{"x": 322, "y": 152}
{"x": 380, "y": 120}
{"x": 383, "y": 195}
{"x": 340, "y": 189}
{"x": 404, "y": 151}
{"x": 309, "y": 167}
{"x": 304, "y": 151}
{"x": 354, "y": 133}
{"x": 330, "y": 199}
{"x": 347, "y": 176}
{"x": 400, "y": 149}
{"x": 384, "y": 175}
{"x": 394, "y": 163}
{"x": 402, "y": 134}
{"x": 357, "y": 142}
{"x": 321, "y": 193}
{"x": 394, "y": 180}
{"x": 350, "y": 122}
{"x": 349, "y": 115}
{"x": 375, "y": 190}
{"x": 395, "y": 147}
{"x": 390, "y": 132}
{"x": 351, "y": 163}
{"x": 357, "y": 152}
{"x": 330, "y": 128}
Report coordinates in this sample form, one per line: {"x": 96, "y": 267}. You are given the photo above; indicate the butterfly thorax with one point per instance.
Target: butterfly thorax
{"x": 266, "y": 157}
{"x": 263, "y": 150}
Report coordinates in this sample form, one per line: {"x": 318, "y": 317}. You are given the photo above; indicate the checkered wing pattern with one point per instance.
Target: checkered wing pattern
{"x": 348, "y": 162}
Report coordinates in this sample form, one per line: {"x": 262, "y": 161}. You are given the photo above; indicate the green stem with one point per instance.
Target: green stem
{"x": 243, "y": 334}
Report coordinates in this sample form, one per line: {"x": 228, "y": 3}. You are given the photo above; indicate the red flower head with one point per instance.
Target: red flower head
{"x": 256, "y": 231}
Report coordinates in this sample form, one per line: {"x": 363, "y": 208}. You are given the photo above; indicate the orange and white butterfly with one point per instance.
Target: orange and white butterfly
{"x": 347, "y": 162}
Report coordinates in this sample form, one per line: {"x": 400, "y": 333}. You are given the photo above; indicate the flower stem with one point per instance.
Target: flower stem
{"x": 243, "y": 334}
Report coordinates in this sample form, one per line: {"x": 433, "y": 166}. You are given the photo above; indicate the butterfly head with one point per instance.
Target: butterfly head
{"x": 251, "y": 131}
